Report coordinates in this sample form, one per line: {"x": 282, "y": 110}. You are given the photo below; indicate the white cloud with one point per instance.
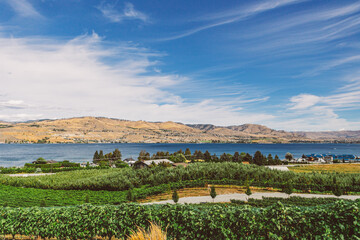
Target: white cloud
{"x": 234, "y": 15}
{"x": 129, "y": 12}
{"x": 303, "y": 101}
{"x": 23, "y": 8}
{"x": 82, "y": 77}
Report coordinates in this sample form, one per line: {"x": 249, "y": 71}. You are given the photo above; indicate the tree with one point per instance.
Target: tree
{"x": 188, "y": 153}
{"x": 288, "y": 188}
{"x": 213, "y": 192}
{"x": 248, "y": 192}
{"x": 270, "y": 159}
{"x": 236, "y": 157}
{"x": 116, "y": 155}
{"x": 101, "y": 155}
{"x": 40, "y": 160}
{"x": 248, "y": 158}
{"x": 207, "y": 156}
{"x": 175, "y": 196}
{"x": 337, "y": 190}
{"x": 277, "y": 160}
{"x": 224, "y": 158}
{"x": 259, "y": 159}
{"x": 289, "y": 156}
{"x": 143, "y": 155}
{"x": 96, "y": 157}
{"x": 214, "y": 158}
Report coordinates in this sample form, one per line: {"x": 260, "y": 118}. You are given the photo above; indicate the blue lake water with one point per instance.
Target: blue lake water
{"x": 19, "y": 154}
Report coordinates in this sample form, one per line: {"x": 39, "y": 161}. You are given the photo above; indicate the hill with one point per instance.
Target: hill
{"x": 100, "y": 129}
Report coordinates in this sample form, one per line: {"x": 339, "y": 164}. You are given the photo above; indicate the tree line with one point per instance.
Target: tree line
{"x": 197, "y": 155}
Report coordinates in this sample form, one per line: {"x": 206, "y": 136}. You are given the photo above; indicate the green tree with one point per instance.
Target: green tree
{"x": 337, "y": 190}
{"x": 270, "y": 160}
{"x": 116, "y": 155}
{"x": 101, "y": 155}
{"x": 248, "y": 192}
{"x": 236, "y": 157}
{"x": 207, "y": 156}
{"x": 175, "y": 196}
{"x": 288, "y": 156}
{"x": 248, "y": 158}
{"x": 213, "y": 192}
{"x": 40, "y": 160}
{"x": 96, "y": 157}
{"x": 143, "y": 155}
{"x": 224, "y": 158}
{"x": 259, "y": 159}
{"x": 288, "y": 188}
{"x": 188, "y": 153}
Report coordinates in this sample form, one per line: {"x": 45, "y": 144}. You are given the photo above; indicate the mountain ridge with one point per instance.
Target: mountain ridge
{"x": 102, "y": 130}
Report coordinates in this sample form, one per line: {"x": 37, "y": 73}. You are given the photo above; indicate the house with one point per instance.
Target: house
{"x": 91, "y": 164}
{"x": 129, "y": 161}
{"x": 51, "y": 161}
{"x": 148, "y": 163}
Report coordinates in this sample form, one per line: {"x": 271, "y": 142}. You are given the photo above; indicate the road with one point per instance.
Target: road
{"x": 238, "y": 196}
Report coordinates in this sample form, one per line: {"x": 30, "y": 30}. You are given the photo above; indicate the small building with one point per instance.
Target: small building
{"x": 51, "y": 161}
{"x": 129, "y": 161}
{"x": 148, "y": 163}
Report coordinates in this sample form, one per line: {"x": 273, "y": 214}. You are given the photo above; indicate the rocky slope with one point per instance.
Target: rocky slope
{"x": 97, "y": 129}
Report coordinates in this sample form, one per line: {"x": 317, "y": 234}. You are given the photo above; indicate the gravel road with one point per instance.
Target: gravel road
{"x": 238, "y": 196}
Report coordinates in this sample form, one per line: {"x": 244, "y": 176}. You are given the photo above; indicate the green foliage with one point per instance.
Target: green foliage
{"x": 340, "y": 220}
{"x": 130, "y": 196}
{"x": 213, "y": 192}
{"x": 337, "y": 190}
{"x": 288, "y": 188}
{"x": 175, "y": 196}
{"x": 289, "y": 156}
{"x": 40, "y": 160}
{"x": 125, "y": 178}
{"x": 248, "y": 191}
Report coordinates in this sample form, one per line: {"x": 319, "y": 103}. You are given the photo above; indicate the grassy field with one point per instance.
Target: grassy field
{"x": 338, "y": 167}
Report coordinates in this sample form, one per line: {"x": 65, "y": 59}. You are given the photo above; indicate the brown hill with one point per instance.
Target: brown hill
{"x": 99, "y": 129}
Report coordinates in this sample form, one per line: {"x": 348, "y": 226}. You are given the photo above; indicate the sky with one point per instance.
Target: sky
{"x": 287, "y": 64}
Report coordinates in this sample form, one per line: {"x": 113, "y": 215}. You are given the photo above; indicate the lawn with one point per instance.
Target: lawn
{"x": 337, "y": 167}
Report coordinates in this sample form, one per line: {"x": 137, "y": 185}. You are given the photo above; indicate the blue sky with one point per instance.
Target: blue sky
{"x": 286, "y": 64}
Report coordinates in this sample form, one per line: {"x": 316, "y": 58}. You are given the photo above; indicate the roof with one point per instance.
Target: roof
{"x": 157, "y": 161}
{"x": 129, "y": 160}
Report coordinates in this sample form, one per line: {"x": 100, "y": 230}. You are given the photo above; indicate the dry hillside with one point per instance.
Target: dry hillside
{"x": 97, "y": 129}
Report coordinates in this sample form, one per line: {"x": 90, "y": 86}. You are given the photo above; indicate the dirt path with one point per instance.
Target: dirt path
{"x": 258, "y": 195}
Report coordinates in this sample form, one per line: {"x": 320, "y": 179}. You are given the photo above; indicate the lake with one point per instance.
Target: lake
{"x": 19, "y": 154}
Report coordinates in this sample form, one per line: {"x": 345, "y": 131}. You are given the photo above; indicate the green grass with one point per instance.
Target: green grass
{"x": 28, "y": 197}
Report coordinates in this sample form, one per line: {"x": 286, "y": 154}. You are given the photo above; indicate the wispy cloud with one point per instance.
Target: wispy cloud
{"x": 128, "y": 13}
{"x": 231, "y": 16}
{"x": 24, "y": 9}
{"x": 76, "y": 79}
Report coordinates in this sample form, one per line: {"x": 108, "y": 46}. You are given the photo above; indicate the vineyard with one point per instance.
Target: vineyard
{"x": 339, "y": 220}
{"x": 128, "y": 178}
